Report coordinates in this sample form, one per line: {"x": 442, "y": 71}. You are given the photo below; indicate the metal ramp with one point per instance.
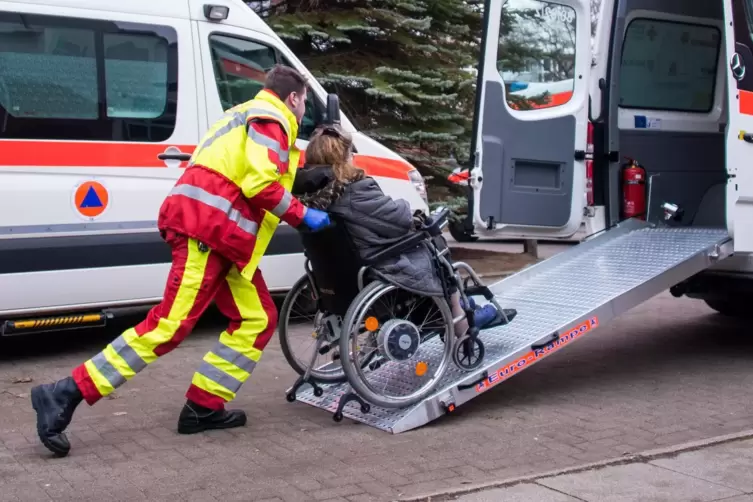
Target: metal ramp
{"x": 558, "y": 301}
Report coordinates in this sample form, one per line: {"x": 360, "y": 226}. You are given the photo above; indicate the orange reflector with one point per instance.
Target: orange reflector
{"x": 421, "y": 368}
{"x": 451, "y": 408}
{"x": 372, "y": 324}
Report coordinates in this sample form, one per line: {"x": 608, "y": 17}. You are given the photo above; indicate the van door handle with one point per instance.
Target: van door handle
{"x": 173, "y": 154}
{"x": 184, "y": 157}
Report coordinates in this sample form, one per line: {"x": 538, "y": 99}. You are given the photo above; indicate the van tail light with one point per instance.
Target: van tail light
{"x": 590, "y": 165}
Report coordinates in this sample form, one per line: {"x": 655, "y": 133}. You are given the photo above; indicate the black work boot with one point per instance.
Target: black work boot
{"x": 55, "y": 404}
{"x": 194, "y": 418}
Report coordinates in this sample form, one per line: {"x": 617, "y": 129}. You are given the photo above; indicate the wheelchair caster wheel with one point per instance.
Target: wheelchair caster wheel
{"x": 318, "y": 391}
{"x": 468, "y": 353}
{"x": 337, "y": 417}
{"x": 290, "y": 397}
{"x": 365, "y": 408}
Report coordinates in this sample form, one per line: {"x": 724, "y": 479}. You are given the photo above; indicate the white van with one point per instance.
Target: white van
{"x": 91, "y": 93}
{"x": 662, "y": 81}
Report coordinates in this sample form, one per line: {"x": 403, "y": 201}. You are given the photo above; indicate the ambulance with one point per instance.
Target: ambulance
{"x": 664, "y": 82}
{"x": 101, "y": 104}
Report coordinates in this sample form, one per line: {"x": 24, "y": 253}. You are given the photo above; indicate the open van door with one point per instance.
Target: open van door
{"x": 738, "y": 16}
{"x": 529, "y": 175}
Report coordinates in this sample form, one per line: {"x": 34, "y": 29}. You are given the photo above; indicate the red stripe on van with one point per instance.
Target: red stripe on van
{"x": 78, "y": 154}
{"x": 746, "y": 102}
{"x": 141, "y": 155}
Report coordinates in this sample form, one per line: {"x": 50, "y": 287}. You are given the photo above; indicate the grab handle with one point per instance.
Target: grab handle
{"x": 550, "y": 339}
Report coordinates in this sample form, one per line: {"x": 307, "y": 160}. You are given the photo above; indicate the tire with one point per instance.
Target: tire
{"x": 363, "y": 301}
{"x": 730, "y": 308}
{"x": 460, "y": 233}
{"x": 283, "y": 329}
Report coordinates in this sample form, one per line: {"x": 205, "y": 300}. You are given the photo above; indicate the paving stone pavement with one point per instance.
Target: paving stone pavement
{"x": 721, "y": 472}
{"x": 667, "y": 372}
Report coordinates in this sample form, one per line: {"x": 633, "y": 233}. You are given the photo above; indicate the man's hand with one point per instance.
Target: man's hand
{"x": 315, "y": 219}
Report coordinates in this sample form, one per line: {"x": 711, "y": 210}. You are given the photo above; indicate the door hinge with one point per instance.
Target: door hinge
{"x": 580, "y": 155}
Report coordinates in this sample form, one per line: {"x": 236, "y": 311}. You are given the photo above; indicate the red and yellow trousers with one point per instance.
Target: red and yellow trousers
{"x": 197, "y": 276}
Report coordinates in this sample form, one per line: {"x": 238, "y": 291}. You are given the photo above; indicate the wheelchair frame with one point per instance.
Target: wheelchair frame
{"x": 450, "y": 277}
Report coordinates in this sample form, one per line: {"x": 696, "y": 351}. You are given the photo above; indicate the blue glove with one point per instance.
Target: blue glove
{"x": 315, "y": 219}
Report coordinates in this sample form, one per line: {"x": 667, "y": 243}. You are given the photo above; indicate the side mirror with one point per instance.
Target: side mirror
{"x": 332, "y": 115}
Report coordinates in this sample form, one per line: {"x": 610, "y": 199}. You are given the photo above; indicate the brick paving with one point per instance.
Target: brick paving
{"x": 667, "y": 372}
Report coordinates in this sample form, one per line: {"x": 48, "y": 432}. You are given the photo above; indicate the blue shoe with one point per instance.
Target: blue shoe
{"x": 484, "y": 316}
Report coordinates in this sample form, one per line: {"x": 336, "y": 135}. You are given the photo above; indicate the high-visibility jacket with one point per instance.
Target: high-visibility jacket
{"x": 237, "y": 186}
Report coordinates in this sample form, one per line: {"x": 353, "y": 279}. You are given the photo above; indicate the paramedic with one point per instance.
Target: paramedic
{"x": 218, "y": 221}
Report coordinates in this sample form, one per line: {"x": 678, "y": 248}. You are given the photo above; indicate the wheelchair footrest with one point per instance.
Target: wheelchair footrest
{"x": 500, "y": 320}
{"x": 345, "y": 399}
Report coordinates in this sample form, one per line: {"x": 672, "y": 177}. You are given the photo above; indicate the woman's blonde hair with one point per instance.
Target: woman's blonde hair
{"x": 330, "y": 146}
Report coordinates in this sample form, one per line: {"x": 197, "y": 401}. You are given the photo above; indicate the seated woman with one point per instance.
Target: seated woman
{"x": 375, "y": 221}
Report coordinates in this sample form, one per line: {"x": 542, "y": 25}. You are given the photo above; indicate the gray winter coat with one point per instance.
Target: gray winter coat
{"x": 374, "y": 222}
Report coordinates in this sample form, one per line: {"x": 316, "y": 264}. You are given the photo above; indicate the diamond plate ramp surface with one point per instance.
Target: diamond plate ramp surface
{"x": 587, "y": 285}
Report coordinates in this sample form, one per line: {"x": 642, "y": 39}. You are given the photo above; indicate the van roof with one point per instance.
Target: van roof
{"x": 240, "y": 14}
{"x": 164, "y": 8}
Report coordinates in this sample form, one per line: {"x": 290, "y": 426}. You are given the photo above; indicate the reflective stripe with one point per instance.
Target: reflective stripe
{"x": 108, "y": 370}
{"x": 218, "y": 376}
{"x": 129, "y": 355}
{"x": 268, "y": 142}
{"x": 239, "y": 119}
{"x": 234, "y": 357}
{"x": 284, "y": 204}
{"x": 217, "y": 202}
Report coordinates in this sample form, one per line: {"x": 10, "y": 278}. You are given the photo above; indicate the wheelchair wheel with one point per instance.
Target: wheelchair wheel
{"x": 299, "y": 326}
{"x": 390, "y": 345}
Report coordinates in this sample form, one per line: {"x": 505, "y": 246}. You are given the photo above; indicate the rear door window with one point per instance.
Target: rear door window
{"x": 669, "y": 65}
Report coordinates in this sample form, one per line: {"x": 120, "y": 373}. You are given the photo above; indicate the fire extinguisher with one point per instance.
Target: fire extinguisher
{"x": 633, "y": 190}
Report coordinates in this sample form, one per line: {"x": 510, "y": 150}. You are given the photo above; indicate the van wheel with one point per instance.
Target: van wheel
{"x": 730, "y": 308}
{"x": 460, "y": 233}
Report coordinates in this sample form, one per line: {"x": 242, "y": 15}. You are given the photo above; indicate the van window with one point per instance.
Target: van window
{"x": 669, "y": 65}
{"x": 240, "y": 69}
{"x": 81, "y": 79}
{"x": 536, "y": 53}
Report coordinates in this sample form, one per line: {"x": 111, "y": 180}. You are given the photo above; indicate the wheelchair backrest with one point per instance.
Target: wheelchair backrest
{"x": 335, "y": 264}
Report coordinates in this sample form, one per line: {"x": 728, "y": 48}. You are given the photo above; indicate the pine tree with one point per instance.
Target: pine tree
{"x": 404, "y": 69}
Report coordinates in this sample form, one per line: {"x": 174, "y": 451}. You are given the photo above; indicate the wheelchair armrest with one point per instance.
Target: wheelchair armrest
{"x": 398, "y": 248}
{"x": 436, "y": 222}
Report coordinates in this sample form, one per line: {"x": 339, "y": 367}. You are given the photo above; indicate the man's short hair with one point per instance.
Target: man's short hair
{"x": 282, "y": 80}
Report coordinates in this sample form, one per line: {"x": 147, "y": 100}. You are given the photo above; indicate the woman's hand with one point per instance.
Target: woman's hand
{"x": 418, "y": 219}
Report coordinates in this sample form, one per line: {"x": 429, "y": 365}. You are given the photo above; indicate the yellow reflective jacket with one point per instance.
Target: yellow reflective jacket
{"x": 237, "y": 186}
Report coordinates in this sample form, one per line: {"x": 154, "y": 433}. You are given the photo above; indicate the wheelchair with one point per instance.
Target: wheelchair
{"x": 391, "y": 345}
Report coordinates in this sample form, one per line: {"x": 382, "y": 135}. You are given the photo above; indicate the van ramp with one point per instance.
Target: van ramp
{"x": 559, "y": 301}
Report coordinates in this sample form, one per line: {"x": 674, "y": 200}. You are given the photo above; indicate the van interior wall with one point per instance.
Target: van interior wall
{"x": 688, "y": 168}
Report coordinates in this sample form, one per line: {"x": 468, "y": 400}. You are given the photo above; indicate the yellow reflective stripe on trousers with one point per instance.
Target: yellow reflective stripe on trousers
{"x": 235, "y": 357}
{"x": 103, "y": 374}
{"x": 110, "y": 368}
{"x": 227, "y": 368}
{"x": 217, "y": 202}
